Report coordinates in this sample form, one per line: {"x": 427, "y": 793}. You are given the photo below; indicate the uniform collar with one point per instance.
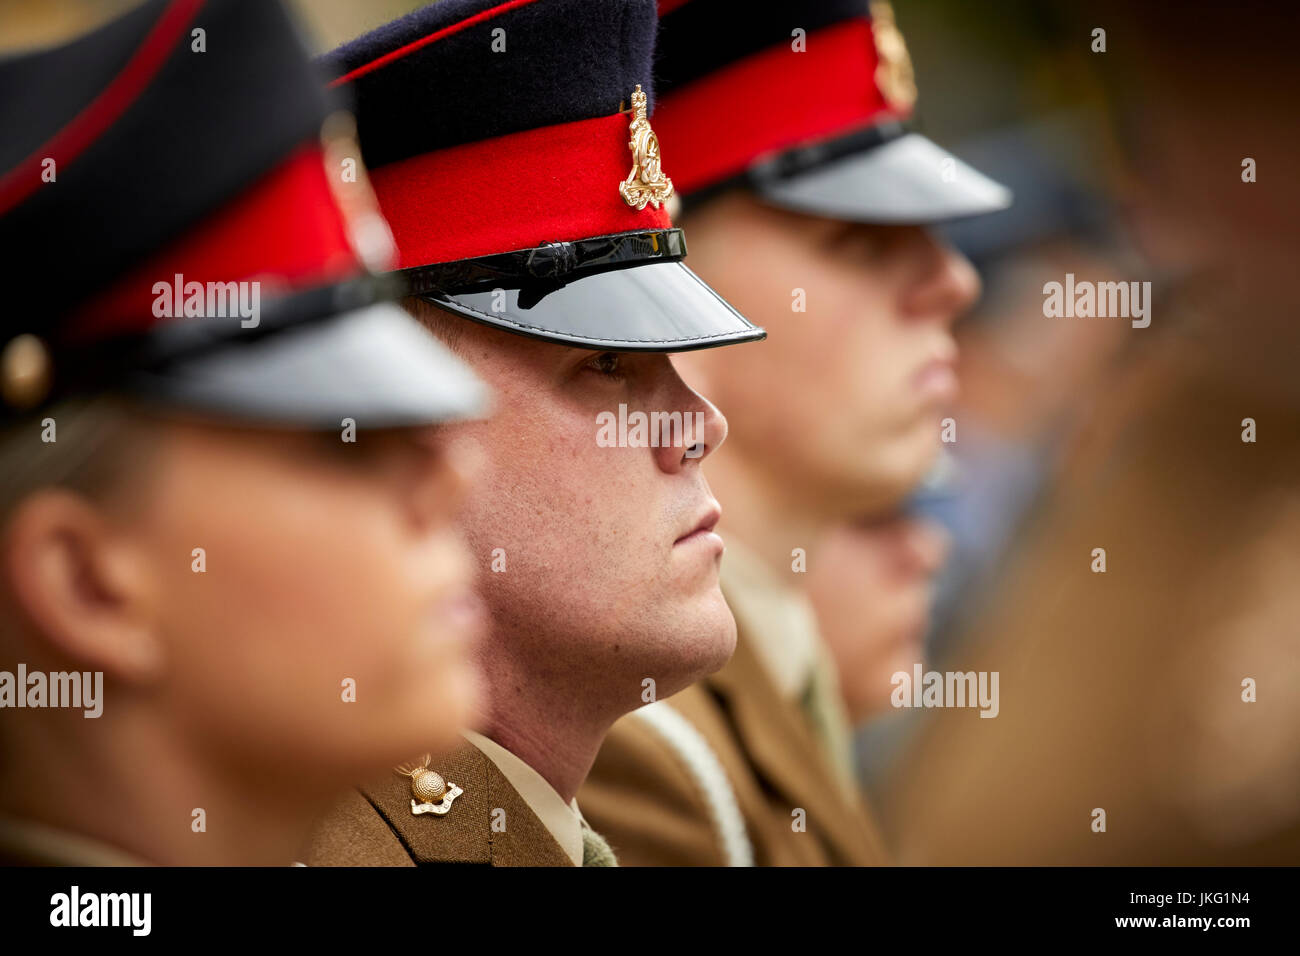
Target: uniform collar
{"x": 777, "y": 619}
{"x": 562, "y": 820}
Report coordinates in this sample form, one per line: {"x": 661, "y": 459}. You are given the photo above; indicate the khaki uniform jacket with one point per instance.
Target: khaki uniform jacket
{"x": 1128, "y": 684}
{"x": 651, "y": 808}
{"x": 374, "y": 825}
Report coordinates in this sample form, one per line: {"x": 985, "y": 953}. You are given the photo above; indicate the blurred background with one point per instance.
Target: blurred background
{"x": 1150, "y": 705}
{"x": 32, "y": 23}
{"x": 1128, "y": 690}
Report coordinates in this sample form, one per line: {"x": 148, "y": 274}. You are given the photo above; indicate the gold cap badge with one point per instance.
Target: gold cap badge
{"x": 430, "y": 792}
{"x": 894, "y": 73}
{"x": 646, "y": 183}
{"x": 25, "y": 372}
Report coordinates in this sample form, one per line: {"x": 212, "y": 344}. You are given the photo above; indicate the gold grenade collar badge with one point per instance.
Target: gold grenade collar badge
{"x": 430, "y": 793}
{"x": 646, "y": 184}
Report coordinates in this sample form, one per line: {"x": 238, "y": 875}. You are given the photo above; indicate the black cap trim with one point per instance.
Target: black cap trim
{"x": 104, "y": 365}
{"x": 548, "y": 266}
{"x": 799, "y": 159}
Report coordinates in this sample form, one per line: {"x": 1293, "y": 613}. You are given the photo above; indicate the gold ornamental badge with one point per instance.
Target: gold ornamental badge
{"x": 894, "y": 73}
{"x": 430, "y": 792}
{"x": 646, "y": 183}
{"x": 25, "y": 372}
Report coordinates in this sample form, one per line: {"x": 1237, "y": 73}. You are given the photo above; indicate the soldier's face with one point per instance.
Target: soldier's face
{"x": 328, "y": 624}
{"x": 870, "y": 587}
{"x": 842, "y": 405}
{"x": 597, "y": 563}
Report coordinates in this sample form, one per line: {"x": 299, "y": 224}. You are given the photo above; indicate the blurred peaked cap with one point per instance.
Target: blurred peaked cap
{"x": 1053, "y": 166}
{"x": 498, "y": 134}
{"x": 807, "y": 105}
{"x": 159, "y": 174}
{"x": 149, "y": 138}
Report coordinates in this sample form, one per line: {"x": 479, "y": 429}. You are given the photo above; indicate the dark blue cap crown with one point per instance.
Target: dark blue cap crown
{"x": 460, "y": 71}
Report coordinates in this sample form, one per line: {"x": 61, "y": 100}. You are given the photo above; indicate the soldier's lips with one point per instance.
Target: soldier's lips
{"x": 936, "y": 380}
{"x": 702, "y": 533}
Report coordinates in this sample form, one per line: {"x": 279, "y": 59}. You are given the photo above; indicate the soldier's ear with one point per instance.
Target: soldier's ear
{"x": 80, "y": 587}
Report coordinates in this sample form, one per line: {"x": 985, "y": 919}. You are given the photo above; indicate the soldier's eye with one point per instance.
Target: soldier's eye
{"x": 608, "y": 364}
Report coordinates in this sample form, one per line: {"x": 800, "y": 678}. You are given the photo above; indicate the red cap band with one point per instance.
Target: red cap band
{"x": 286, "y": 231}
{"x": 717, "y": 126}
{"x": 551, "y": 184}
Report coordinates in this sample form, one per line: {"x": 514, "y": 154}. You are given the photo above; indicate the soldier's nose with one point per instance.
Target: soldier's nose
{"x": 946, "y": 283}
{"x": 704, "y": 428}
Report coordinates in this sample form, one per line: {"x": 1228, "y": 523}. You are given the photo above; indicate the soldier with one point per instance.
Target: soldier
{"x": 1149, "y": 612}
{"x": 871, "y": 589}
{"x": 806, "y": 200}
{"x": 512, "y": 150}
{"x": 196, "y": 570}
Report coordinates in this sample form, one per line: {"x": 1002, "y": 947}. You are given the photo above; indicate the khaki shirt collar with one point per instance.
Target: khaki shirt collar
{"x": 778, "y": 620}
{"x": 780, "y": 626}
{"x": 563, "y": 820}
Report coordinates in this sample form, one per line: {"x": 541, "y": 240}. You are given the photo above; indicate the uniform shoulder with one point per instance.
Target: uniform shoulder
{"x": 375, "y": 825}
{"x": 354, "y": 833}
{"x": 657, "y": 790}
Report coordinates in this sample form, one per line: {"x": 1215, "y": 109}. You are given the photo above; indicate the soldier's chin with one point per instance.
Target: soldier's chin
{"x": 887, "y": 475}
{"x": 711, "y": 639}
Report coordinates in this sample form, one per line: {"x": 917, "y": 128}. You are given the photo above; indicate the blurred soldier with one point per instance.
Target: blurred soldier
{"x": 805, "y": 202}
{"x": 1147, "y": 628}
{"x": 871, "y": 591}
{"x": 195, "y": 571}
{"x": 512, "y": 150}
